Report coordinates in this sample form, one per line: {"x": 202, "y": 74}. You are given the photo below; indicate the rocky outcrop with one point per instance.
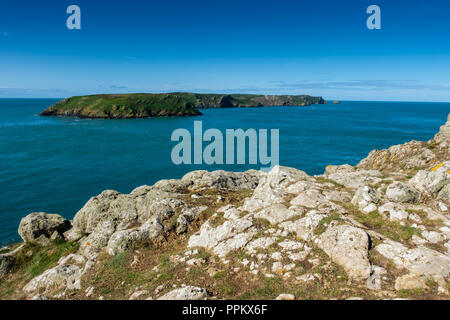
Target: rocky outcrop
{"x": 39, "y": 227}
{"x": 378, "y": 229}
{"x": 420, "y": 261}
{"x": 443, "y": 136}
{"x": 402, "y": 192}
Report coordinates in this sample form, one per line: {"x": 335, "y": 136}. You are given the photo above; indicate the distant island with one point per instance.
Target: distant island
{"x": 145, "y": 105}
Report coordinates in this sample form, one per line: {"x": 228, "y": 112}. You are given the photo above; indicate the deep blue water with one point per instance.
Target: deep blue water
{"x": 56, "y": 164}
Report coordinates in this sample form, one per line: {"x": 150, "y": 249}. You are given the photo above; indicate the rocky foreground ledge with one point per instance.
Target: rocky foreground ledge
{"x": 380, "y": 230}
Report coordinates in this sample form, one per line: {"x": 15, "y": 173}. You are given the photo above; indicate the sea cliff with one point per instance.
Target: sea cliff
{"x": 377, "y": 230}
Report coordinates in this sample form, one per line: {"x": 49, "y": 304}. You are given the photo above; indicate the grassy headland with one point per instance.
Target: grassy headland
{"x": 165, "y": 104}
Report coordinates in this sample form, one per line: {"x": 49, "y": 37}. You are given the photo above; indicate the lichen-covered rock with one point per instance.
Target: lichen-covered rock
{"x": 355, "y": 178}
{"x": 348, "y": 247}
{"x": 402, "y": 192}
{"x": 156, "y": 205}
{"x": 343, "y": 168}
{"x": 275, "y": 213}
{"x": 65, "y": 276}
{"x": 109, "y": 206}
{"x": 410, "y": 282}
{"x": 122, "y": 240}
{"x": 223, "y": 180}
{"x": 407, "y": 156}
{"x": 58, "y": 277}
{"x": 186, "y": 217}
{"x": 304, "y": 227}
{"x": 311, "y": 198}
{"x": 419, "y": 261}
{"x": 443, "y": 136}
{"x": 430, "y": 182}
{"x": 394, "y": 211}
{"x": 232, "y": 234}
{"x": 186, "y": 293}
{"x": 444, "y": 194}
{"x": 38, "y": 227}
{"x": 365, "y": 196}
{"x": 272, "y": 187}
{"x": 97, "y": 240}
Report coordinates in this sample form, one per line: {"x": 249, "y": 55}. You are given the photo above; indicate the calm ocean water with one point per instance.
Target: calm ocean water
{"x": 56, "y": 164}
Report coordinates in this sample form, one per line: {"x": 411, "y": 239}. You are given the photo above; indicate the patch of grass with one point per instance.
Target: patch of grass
{"x": 43, "y": 257}
{"x": 220, "y": 275}
{"x": 323, "y": 224}
{"x": 118, "y": 261}
{"x": 374, "y": 220}
{"x": 225, "y": 288}
{"x": 261, "y": 223}
{"x": 326, "y": 180}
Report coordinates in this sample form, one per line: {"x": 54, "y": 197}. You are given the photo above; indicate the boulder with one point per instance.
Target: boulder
{"x": 354, "y": 178}
{"x": 402, "y": 192}
{"x": 365, "y": 196}
{"x": 38, "y": 227}
{"x": 444, "y": 194}
{"x": 109, "y": 206}
{"x": 430, "y": 182}
{"x": 394, "y": 211}
{"x": 61, "y": 277}
{"x": 122, "y": 240}
{"x": 348, "y": 247}
{"x": 186, "y": 293}
{"x": 157, "y": 205}
{"x": 285, "y": 296}
{"x": 304, "y": 227}
{"x": 65, "y": 276}
{"x": 186, "y": 217}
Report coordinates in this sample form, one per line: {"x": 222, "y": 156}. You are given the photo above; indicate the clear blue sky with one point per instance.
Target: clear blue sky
{"x": 273, "y": 47}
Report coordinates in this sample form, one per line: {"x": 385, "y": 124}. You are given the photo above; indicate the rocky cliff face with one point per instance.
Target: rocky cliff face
{"x": 377, "y": 230}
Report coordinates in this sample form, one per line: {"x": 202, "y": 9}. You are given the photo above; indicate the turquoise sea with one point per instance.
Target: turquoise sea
{"x": 56, "y": 164}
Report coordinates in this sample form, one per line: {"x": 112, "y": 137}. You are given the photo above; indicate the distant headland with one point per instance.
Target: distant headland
{"x": 145, "y": 105}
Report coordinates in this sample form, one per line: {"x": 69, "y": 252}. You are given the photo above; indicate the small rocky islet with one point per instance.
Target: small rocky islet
{"x": 147, "y": 105}
{"x": 378, "y": 230}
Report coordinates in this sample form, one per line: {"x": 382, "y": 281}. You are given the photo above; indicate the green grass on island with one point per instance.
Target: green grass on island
{"x": 144, "y": 105}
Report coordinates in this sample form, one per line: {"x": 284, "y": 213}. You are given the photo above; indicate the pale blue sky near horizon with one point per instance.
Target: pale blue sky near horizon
{"x": 317, "y": 47}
